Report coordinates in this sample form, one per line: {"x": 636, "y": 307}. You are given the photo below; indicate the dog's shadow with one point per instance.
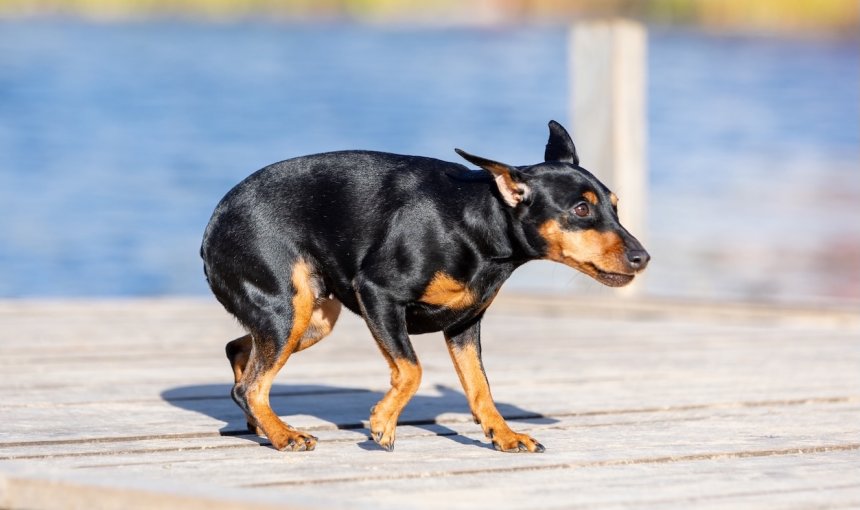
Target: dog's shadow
{"x": 343, "y": 407}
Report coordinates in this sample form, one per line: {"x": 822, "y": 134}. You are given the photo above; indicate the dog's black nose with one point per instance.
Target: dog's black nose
{"x": 638, "y": 259}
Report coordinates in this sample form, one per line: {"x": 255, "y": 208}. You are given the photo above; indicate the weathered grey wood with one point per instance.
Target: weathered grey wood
{"x": 642, "y": 405}
{"x": 720, "y": 483}
{"x": 608, "y": 75}
{"x": 603, "y": 364}
{"x": 580, "y": 446}
{"x": 29, "y": 488}
{"x": 570, "y": 437}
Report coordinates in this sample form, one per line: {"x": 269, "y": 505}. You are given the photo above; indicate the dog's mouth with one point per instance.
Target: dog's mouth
{"x": 607, "y": 278}
{"x": 613, "y": 279}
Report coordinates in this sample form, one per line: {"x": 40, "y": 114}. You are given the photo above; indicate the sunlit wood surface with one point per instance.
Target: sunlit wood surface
{"x": 640, "y": 404}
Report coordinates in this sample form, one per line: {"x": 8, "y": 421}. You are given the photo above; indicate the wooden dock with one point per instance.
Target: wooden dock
{"x": 125, "y": 404}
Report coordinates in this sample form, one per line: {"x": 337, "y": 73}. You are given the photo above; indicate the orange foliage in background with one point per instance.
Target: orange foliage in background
{"x": 838, "y": 17}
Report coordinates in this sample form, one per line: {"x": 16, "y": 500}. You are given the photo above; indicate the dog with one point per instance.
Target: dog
{"x": 412, "y": 245}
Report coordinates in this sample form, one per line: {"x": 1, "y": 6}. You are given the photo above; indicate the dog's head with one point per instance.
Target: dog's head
{"x": 567, "y": 215}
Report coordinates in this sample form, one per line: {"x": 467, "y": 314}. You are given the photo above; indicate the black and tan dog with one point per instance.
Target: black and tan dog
{"x": 412, "y": 245}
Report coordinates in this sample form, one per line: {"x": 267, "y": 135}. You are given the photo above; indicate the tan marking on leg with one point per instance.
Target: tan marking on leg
{"x": 324, "y": 316}
{"x": 585, "y": 250}
{"x": 470, "y": 370}
{"x": 405, "y": 380}
{"x": 238, "y": 353}
{"x": 591, "y": 197}
{"x": 279, "y": 433}
{"x": 443, "y": 290}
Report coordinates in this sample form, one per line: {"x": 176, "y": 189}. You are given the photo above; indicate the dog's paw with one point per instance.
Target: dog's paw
{"x": 512, "y": 442}
{"x": 382, "y": 429}
{"x": 293, "y": 440}
{"x": 383, "y": 439}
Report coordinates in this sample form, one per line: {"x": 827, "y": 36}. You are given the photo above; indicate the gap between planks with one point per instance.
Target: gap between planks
{"x": 363, "y": 425}
{"x": 572, "y": 465}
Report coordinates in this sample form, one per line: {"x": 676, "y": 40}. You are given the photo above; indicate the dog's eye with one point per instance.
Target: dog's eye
{"x": 581, "y": 209}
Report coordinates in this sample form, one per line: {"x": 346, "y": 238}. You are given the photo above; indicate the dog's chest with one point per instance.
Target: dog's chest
{"x": 448, "y": 301}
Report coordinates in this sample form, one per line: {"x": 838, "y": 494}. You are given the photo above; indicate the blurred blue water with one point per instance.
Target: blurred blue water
{"x": 117, "y": 140}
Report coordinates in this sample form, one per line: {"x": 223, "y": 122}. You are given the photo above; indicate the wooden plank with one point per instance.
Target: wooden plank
{"x": 805, "y": 481}
{"x": 832, "y": 420}
{"x": 323, "y": 405}
{"x": 29, "y": 488}
{"x": 585, "y": 450}
{"x": 650, "y": 397}
{"x": 747, "y": 482}
{"x": 647, "y": 369}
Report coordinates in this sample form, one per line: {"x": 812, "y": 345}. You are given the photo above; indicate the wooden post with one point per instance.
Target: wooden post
{"x": 608, "y": 62}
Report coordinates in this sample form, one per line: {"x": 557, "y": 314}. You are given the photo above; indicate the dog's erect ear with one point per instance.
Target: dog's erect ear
{"x": 560, "y": 146}
{"x": 508, "y": 178}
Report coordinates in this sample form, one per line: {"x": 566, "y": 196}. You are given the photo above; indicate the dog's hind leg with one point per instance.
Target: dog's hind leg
{"x": 277, "y": 332}
{"x": 238, "y": 353}
{"x": 325, "y": 314}
{"x": 465, "y": 350}
{"x": 323, "y": 317}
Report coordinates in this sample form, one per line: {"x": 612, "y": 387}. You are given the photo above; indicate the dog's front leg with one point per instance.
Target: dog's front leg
{"x": 387, "y": 323}
{"x": 465, "y": 350}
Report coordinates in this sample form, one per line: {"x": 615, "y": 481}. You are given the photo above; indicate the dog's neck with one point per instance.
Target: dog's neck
{"x": 502, "y": 231}
{"x": 522, "y": 247}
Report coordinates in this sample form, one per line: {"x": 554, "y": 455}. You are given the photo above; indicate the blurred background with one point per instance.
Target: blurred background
{"x": 122, "y": 123}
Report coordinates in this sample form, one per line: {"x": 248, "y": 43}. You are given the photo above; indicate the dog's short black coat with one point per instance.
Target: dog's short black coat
{"x": 411, "y": 244}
